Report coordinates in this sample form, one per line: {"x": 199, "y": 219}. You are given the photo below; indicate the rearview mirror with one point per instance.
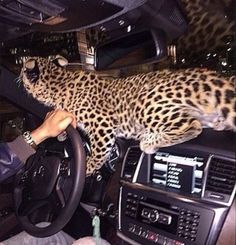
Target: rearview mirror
{"x": 141, "y": 47}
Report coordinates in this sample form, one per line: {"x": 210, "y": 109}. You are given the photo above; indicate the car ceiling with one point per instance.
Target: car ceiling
{"x": 18, "y": 17}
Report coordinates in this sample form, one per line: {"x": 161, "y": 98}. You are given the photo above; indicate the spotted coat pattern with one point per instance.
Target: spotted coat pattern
{"x": 158, "y": 109}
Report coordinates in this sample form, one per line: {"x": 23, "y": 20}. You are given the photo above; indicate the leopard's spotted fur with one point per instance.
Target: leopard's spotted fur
{"x": 158, "y": 108}
{"x": 210, "y": 26}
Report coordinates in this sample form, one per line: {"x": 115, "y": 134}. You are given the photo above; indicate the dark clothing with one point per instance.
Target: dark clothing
{"x": 13, "y": 156}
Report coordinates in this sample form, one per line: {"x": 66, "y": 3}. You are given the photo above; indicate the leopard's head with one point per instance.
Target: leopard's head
{"x": 44, "y": 78}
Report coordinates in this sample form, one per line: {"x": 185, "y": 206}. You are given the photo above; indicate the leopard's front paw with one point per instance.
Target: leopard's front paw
{"x": 148, "y": 144}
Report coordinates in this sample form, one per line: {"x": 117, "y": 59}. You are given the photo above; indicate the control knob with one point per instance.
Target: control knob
{"x": 153, "y": 216}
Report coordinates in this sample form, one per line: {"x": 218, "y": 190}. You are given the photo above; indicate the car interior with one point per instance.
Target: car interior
{"x": 133, "y": 193}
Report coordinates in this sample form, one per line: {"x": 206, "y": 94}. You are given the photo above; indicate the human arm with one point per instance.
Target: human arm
{"x": 14, "y": 154}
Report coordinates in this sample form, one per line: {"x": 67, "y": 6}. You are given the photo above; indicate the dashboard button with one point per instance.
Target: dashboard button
{"x": 145, "y": 213}
{"x": 144, "y": 233}
{"x": 165, "y": 219}
{"x": 181, "y": 220}
{"x": 181, "y": 227}
{"x": 152, "y": 236}
{"x": 131, "y": 227}
{"x": 187, "y": 222}
{"x": 161, "y": 240}
{"x": 195, "y": 224}
{"x": 137, "y": 230}
{"x": 170, "y": 242}
{"x": 193, "y": 232}
{"x": 133, "y": 208}
{"x": 129, "y": 200}
{"x": 194, "y": 228}
{"x": 196, "y": 216}
{"x": 134, "y": 201}
{"x": 179, "y": 243}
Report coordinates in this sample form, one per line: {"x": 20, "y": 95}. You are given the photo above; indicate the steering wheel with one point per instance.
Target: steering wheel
{"x": 44, "y": 185}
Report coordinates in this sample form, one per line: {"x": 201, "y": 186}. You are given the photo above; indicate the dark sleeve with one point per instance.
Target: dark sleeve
{"x": 12, "y": 157}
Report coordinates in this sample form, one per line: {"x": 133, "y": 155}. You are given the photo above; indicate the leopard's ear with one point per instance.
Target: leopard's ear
{"x": 60, "y": 61}
{"x": 30, "y": 64}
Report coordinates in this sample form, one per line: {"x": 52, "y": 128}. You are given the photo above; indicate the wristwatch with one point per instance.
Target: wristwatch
{"x": 28, "y": 138}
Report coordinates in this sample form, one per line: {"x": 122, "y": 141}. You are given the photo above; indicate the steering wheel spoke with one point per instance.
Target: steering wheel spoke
{"x": 59, "y": 192}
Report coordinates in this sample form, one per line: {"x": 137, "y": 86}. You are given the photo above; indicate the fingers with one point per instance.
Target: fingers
{"x": 68, "y": 118}
{"x": 74, "y": 122}
{"x": 60, "y": 114}
{"x": 65, "y": 122}
{"x": 58, "y": 120}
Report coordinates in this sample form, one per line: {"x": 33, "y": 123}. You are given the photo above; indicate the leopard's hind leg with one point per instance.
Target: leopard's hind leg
{"x": 170, "y": 133}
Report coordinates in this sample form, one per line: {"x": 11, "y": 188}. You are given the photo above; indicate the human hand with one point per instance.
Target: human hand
{"x": 54, "y": 123}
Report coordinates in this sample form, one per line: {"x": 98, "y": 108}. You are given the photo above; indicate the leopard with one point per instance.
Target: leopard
{"x": 158, "y": 109}
{"x": 211, "y": 27}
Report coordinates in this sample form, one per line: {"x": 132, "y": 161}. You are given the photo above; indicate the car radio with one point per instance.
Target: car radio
{"x": 178, "y": 220}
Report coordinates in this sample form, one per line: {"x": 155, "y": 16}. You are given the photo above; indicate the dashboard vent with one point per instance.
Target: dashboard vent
{"x": 221, "y": 178}
{"x": 131, "y": 162}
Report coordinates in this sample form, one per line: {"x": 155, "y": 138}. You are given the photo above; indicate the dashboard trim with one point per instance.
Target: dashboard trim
{"x": 127, "y": 239}
{"x": 119, "y": 211}
{"x": 138, "y": 168}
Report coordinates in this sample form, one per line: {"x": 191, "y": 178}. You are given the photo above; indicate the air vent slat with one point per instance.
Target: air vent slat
{"x": 221, "y": 176}
{"x": 131, "y": 163}
{"x": 219, "y": 190}
{"x": 220, "y": 184}
{"x": 224, "y": 168}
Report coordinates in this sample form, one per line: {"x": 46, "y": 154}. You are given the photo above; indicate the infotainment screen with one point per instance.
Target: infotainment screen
{"x": 183, "y": 173}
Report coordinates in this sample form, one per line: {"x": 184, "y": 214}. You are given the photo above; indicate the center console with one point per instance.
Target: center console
{"x": 179, "y": 195}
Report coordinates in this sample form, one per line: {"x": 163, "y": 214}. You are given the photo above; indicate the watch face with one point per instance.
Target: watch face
{"x": 28, "y": 138}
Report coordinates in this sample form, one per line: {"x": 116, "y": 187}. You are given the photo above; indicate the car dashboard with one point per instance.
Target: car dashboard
{"x": 179, "y": 195}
